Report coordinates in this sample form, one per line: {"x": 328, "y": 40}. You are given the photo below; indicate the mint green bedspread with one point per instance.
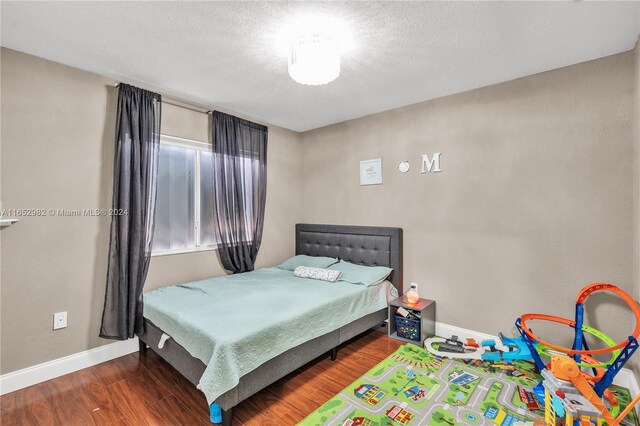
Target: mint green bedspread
{"x": 235, "y": 323}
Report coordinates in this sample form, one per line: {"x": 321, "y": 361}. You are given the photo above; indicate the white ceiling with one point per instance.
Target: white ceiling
{"x": 227, "y": 54}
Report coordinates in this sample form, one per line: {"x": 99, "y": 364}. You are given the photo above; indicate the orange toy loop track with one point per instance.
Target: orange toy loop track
{"x": 595, "y": 287}
{"x": 582, "y": 296}
{"x": 526, "y": 317}
{"x": 570, "y": 323}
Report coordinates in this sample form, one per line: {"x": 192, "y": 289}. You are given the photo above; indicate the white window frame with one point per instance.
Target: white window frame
{"x": 198, "y": 147}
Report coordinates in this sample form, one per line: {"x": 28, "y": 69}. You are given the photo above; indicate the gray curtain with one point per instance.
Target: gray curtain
{"x": 239, "y": 189}
{"x": 134, "y": 199}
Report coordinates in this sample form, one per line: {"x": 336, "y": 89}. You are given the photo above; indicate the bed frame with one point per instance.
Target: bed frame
{"x": 365, "y": 245}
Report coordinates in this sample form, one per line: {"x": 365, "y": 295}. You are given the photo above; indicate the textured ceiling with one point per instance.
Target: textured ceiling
{"x": 227, "y": 54}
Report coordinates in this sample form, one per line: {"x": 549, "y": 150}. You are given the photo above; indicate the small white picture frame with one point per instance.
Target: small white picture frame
{"x": 371, "y": 172}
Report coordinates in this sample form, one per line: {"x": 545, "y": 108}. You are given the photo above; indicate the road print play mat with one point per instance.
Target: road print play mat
{"x": 414, "y": 387}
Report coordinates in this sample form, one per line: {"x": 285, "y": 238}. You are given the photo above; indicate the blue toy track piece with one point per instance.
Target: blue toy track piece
{"x": 215, "y": 413}
{"x": 494, "y": 355}
{"x": 579, "y": 334}
{"x": 558, "y": 407}
{"x": 538, "y": 391}
{"x": 491, "y": 356}
{"x": 532, "y": 350}
{"x": 518, "y": 346}
{"x": 617, "y": 365}
{"x": 488, "y": 342}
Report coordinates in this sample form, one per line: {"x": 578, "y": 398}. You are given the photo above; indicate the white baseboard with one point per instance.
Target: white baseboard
{"x": 446, "y": 330}
{"x": 30, "y": 376}
{"x": 624, "y": 378}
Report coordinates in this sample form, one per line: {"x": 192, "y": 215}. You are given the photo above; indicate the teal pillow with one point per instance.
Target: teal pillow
{"x": 304, "y": 260}
{"x": 360, "y": 274}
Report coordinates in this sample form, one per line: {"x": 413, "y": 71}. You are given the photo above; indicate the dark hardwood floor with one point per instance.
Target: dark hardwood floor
{"x": 144, "y": 390}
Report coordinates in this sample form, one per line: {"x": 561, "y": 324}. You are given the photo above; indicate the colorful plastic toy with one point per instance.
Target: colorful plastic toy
{"x": 518, "y": 348}
{"x": 452, "y": 348}
{"x": 472, "y": 343}
{"x": 566, "y": 386}
{"x": 485, "y": 351}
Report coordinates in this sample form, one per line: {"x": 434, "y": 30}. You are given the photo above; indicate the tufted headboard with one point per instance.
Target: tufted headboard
{"x": 363, "y": 245}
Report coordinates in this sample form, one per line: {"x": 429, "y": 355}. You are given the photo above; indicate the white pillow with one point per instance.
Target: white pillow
{"x": 317, "y": 273}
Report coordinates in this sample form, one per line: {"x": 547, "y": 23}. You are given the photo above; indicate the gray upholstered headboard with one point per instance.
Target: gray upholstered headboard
{"x": 364, "y": 245}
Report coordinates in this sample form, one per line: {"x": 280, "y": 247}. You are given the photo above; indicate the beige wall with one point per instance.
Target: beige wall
{"x": 636, "y": 189}
{"x": 534, "y": 201}
{"x": 636, "y": 179}
{"x": 57, "y": 152}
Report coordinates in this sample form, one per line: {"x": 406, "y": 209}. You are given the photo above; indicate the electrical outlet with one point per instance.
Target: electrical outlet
{"x": 60, "y": 320}
{"x": 414, "y": 287}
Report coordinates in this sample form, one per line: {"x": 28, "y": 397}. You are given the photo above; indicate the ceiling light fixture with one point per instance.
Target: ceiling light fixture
{"x": 314, "y": 44}
{"x": 314, "y": 58}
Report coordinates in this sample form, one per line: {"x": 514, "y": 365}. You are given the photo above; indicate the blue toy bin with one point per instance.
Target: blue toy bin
{"x": 407, "y": 328}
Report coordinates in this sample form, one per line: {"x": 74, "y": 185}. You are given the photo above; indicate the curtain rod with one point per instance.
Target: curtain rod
{"x": 180, "y": 104}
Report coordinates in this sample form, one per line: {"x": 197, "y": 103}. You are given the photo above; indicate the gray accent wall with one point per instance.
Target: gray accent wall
{"x": 57, "y": 152}
{"x": 534, "y": 200}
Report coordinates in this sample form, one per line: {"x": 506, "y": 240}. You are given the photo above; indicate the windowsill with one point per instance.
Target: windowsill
{"x": 183, "y": 251}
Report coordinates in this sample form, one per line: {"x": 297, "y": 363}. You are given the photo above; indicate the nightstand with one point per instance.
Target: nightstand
{"x": 415, "y": 330}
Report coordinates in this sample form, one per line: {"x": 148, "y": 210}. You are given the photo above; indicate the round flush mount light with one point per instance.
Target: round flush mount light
{"x": 314, "y": 58}
{"x": 314, "y": 45}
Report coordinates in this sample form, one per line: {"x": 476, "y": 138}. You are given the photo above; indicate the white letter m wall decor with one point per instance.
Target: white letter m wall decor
{"x": 431, "y": 166}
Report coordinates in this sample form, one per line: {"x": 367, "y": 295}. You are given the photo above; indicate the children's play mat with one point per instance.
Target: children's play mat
{"x": 414, "y": 387}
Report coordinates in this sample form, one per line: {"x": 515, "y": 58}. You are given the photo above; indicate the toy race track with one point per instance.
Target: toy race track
{"x": 566, "y": 383}
{"x": 435, "y": 346}
{"x": 415, "y": 387}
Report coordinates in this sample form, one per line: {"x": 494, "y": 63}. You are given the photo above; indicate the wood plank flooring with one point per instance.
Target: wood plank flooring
{"x": 145, "y": 390}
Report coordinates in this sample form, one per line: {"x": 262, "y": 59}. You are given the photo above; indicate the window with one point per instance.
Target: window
{"x": 249, "y": 166}
{"x": 184, "y": 203}
{"x": 184, "y": 200}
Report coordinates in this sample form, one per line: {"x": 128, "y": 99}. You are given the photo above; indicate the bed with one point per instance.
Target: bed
{"x": 371, "y": 246}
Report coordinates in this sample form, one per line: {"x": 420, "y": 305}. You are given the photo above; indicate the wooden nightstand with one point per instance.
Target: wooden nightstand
{"x": 422, "y": 328}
